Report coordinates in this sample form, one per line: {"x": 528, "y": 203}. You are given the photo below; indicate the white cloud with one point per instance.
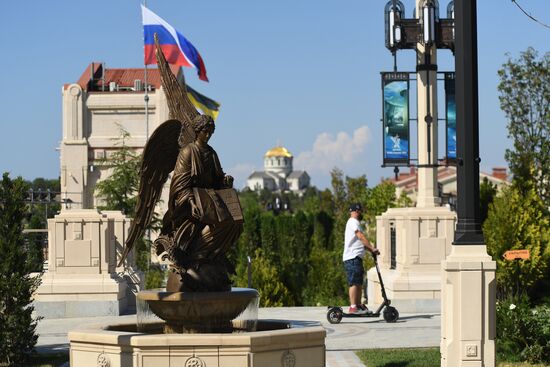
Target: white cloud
{"x": 331, "y": 151}
{"x": 240, "y": 173}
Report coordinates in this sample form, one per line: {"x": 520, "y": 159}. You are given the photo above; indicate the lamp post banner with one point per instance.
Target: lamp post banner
{"x": 450, "y": 116}
{"x": 396, "y": 133}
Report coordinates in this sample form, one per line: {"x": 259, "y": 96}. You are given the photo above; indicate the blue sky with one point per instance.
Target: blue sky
{"x": 303, "y": 73}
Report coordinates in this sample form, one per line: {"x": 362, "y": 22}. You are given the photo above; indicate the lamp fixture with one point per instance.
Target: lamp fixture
{"x": 430, "y": 14}
{"x": 394, "y": 11}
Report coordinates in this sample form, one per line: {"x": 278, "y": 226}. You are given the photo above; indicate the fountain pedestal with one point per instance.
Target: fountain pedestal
{"x": 121, "y": 346}
{"x": 212, "y": 337}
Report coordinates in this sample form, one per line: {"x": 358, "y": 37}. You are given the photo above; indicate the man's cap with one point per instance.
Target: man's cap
{"x": 355, "y": 207}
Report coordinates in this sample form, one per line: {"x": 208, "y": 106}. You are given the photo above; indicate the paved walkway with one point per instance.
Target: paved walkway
{"x": 411, "y": 330}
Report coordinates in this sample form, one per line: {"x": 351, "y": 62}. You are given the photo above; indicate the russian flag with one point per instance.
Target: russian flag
{"x": 176, "y": 48}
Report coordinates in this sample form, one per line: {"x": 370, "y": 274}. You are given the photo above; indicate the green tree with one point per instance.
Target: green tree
{"x": 118, "y": 191}
{"x": 487, "y": 193}
{"x": 249, "y": 199}
{"x": 379, "y": 199}
{"x": 268, "y": 237}
{"x": 293, "y": 235}
{"x": 525, "y": 99}
{"x": 516, "y": 221}
{"x": 339, "y": 194}
{"x": 250, "y": 238}
{"x": 311, "y": 200}
{"x": 266, "y": 279}
{"x": 404, "y": 201}
{"x": 17, "y": 326}
{"x": 326, "y": 282}
{"x": 356, "y": 189}
{"x": 323, "y": 224}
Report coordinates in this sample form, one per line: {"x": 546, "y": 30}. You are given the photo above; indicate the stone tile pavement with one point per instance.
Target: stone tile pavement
{"x": 411, "y": 330}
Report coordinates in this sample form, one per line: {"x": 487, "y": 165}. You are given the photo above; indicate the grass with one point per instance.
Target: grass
{"x": 407, "y": 357}
{"x": 415, "y": 357}
{"x": 48, "y": 359}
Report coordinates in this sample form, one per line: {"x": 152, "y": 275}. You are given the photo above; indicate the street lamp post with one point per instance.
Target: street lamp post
{"x": 468, "y": 288}
{"x": 468, "y": 325}
{"x": 422, "y": 236}
{"x": 468, "y": 229}
{"x": 424, "y": 34}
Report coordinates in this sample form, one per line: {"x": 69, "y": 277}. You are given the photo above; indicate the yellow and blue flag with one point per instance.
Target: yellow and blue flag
{"x": 206, "y": 105}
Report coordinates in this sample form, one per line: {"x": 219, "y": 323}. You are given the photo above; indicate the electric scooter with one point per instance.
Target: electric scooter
{"x": 335, "y": 313}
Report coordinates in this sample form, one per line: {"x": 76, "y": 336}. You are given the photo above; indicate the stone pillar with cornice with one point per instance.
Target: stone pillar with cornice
{"x": 74, "y": 148}
{"x": 82, "y": 278}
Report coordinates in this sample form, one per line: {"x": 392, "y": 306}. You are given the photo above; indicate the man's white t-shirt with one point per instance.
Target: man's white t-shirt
{"x": 353, "y": 246}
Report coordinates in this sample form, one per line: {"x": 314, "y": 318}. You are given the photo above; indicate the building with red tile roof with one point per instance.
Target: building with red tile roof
{"x": 407, "y": 182}
{"x": 96, "y": 108}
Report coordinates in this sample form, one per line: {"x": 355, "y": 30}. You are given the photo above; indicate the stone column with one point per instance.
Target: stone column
{"x": 74, "y": 148}
{"x": 426, "y": 61}
{"x": 82, "y": 277}
{"x": 468, "y": 314}
{"x": 468, "y": 319}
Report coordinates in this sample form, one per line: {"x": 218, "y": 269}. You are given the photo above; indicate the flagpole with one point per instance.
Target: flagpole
{"x": 146, "y": 98}
{"x": 146, "y": 130}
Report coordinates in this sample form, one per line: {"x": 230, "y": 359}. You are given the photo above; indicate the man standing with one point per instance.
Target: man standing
{"x": 355, "y": 243}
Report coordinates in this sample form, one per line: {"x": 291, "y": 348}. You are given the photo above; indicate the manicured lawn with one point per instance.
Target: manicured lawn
{"x": 414, "y": 357}
{"x": 48, "y": 360}
{"x": 409, "y": 357}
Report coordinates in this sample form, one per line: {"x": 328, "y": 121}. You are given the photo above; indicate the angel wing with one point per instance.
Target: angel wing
{"x": 159, "y": 159}
{"x": 162, "y": 148}
{"x": 179, "y": 105}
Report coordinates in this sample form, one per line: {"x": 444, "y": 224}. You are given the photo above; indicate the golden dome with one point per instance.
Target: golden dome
{"x": 278, "y": 152}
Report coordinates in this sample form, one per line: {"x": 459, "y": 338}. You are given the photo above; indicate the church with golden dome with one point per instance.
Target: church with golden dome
{"x": 278, "y": 174}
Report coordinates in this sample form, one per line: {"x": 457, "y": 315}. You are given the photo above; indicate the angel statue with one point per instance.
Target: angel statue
{"x": 204, "y": 218}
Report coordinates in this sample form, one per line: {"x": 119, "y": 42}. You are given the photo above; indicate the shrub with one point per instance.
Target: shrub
{"x": 154, "y": 277}
{"x": 266, "y": 279}
{"x": 516, "y": 222}
{"x": 326, "y": 282}
{"x": 17, "y": 327}
{"x": 523, "y": 333}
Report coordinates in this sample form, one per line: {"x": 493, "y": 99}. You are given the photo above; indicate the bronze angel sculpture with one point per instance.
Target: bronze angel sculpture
{"x": 203, "y": 218}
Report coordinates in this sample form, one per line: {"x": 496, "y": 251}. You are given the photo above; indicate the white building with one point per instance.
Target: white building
{"x": 278, "y": 173}
{"x": 95, "y": 108}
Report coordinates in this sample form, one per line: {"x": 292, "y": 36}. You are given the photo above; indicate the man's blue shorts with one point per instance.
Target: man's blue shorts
{"x": 354, "y": 271}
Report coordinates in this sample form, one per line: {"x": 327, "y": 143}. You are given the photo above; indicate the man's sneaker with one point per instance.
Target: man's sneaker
{"x": 354, "y": 310}
{"x": 365, "y": 309}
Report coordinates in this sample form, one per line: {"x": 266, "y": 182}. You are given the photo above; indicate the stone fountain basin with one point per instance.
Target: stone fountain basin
{"x": 198, "y": 312}
{"x": 276, "y": 343}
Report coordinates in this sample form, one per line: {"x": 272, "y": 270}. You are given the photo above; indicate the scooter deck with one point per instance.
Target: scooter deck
{"x": 368, "y": 314}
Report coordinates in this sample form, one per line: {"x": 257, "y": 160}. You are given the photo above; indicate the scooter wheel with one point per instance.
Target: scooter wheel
{"x": 334, "y": 315}
{"x": 391, "y": 314}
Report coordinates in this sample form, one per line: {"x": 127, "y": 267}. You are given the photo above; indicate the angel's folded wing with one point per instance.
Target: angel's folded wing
{"x": 159, "y": 159}
{"x": 179, "y": 105}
